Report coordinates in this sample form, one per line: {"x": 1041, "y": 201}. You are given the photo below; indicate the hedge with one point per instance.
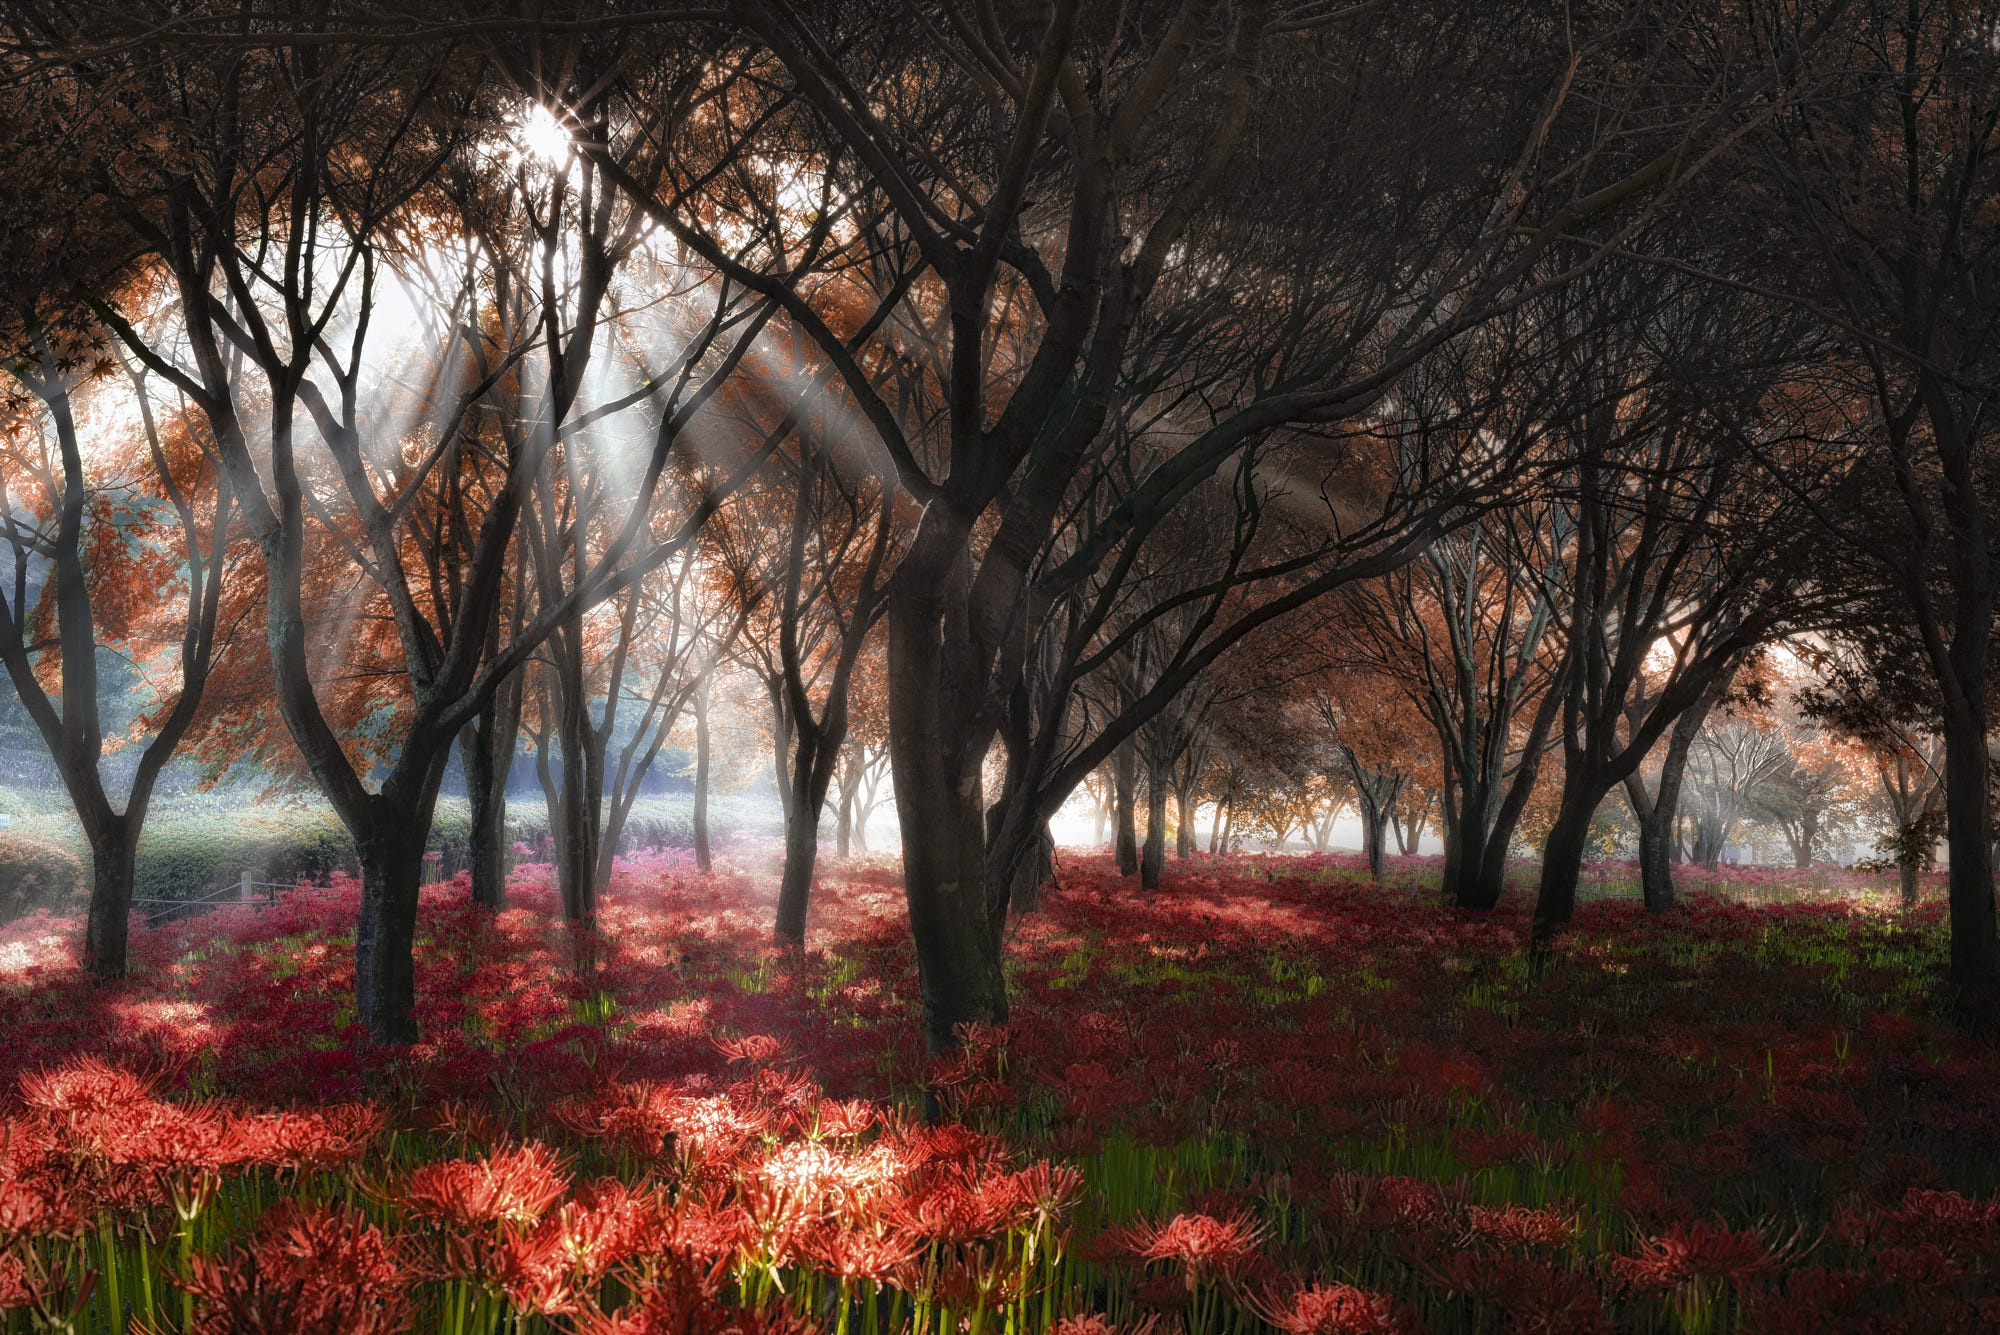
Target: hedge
{"x": 37, "y": 874}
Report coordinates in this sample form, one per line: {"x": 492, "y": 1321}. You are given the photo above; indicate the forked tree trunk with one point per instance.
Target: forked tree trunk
{"x": 1659, "y": 813}
{"x": 1374, "y": 825}
{"x": 1802, "y": 856}
{"x": 781, "y": 745}
{"x": 1475, "y": 886}
{"x": 582, "y": 812}
{"x": 1124, "y": 787}
{"x": 795, "y": 882}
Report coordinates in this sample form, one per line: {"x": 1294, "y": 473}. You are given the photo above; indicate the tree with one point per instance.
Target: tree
{"x": 818, "y": 595}
{"x": 1464, "y": 632}
{"x": 1688, "y": 555}
{"x": 1657, "y": 809}
{"x": 1731, "y": 759}
{"x": 124, "y": 547}
{"x": 1376, "y": 736}
{"x": 1881, "y": 200}
{"x": 1014, "y": 174}
{"x": 319, "y": 190}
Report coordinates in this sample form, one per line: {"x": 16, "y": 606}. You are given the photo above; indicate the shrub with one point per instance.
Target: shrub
{"x": 37, "y": 874}
{"x": 183, "y": 857}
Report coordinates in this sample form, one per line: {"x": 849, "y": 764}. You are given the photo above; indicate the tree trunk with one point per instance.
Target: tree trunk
{"x": 487, "y": 748}
{"x": 795, "y": 883}
{"x": 844, "y": 832}
{"x": 577, "y": 845}
{"x": 1374, "y": 829}
{"x": 1659, "y": 813}
{"x": 1975, "y": 949}
{"x": 392, "y": 860}
{"x": 108, "y": 919}
{"x": 1562, "y": 859}
{"x": 939, "y": 794}
{"x": 1125, "y": 785}
{"x": 1033, "y": 872}
{"x": 1453, "y": 846}
{"x": 781, "y": 745}
{"x": 1153, "y": 860}
{"x": 1186, "y": 844}
{"x": 1656, "y": 873}
{"x": 1471, "y": 888}
{"x": 1906, "y": 878}
{"x": 486, "y": 796}
{"x": 702, "y": 858}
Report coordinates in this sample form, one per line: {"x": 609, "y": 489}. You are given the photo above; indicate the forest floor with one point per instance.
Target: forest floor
{"x": 1268, "y": 1096}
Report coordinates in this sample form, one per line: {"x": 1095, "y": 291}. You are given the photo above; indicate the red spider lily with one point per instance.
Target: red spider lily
{"x": 513, "y": 1187}
{"x": 327, "y": 1138}
{"x": 851, "y": 1253}
{"x": 1698, "y": 1250}
{"x": 1538, "y": 1296}
{"x": 1332, "y": 1309}
{"x": 83, "y": 1085}
{"x": 1042, "y": 1191}
{"x": 951, "y": 1210}
{"x": 1096, "y": 1323}
{"x": 949, "y": 1143}
{"x": 38, "y": 1209}
{"x": 466, "y": 1122}
{"x": 528, "y": 1267}
{"x": 752, "y": 1048}
{"x": 1904, "y": 1289}
{"x": 838, "y": 1120}
{"x": 15, "y": 1292}
{"x": 1401, "y": 1203}
{"x": 702, "y": 1230}
{"x": 1518, "y": 1226}
{"x": 1206, "y": 1248}
{"x": 160, "y": 1135}
{"x": 604, "y": 1224}
{"x": 681, "y": 1303}
{"x": 324, "y": 1271}
{"x": 1954, "y": 1224}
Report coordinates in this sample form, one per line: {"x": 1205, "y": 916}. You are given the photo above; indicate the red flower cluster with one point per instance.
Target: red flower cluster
{"x": 1296, "y": 1099}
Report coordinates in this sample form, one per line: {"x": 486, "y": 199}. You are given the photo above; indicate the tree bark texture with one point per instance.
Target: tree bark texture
{"x": 1124, "y": 789}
